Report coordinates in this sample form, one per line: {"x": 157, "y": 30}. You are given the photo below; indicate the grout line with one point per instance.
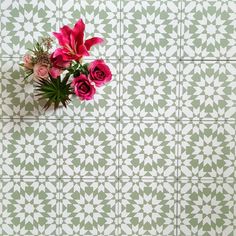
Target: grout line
{"x": 180, "y": 33}
{"x": 207, "y": 60}
{"x": 59, "y": 176}
{"x": 177, "y": 177}
{"x": 1, "y": 203}
{"x": 118, "y": 215}
{"x": 127, "y": 178}
{"x": 59, "y": 208}
{"x": 234, "y": 185}
{"x": 116, "y": 119}
{"x": 180, "y": 91}
{"x": 112, "y": 178}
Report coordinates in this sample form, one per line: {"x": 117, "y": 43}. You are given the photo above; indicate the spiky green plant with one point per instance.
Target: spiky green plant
{"x": 55, "y": 91}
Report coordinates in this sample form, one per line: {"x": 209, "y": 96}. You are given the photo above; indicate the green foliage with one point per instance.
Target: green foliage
{"x": 77, "y": 68}
{"x": 55, "y": 91}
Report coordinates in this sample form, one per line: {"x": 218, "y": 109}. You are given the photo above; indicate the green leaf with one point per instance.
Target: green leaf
{"x": 28, "y": 75}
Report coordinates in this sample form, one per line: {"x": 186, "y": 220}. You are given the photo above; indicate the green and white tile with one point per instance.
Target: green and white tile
{"x": 28, "y": 207}
{"x": 89, "y": 149}
{"x": 150, "y": 29}
{"x": 207, "y": 150}
{"x": 154, "y": 153}
{"x": 149, "y": 90}
{"x": 102, "y": 19}
{"x": 88, "y": 207}
{"x": 208, "y": 90}
{"x": 29, "y": 149}
{"x": 18, "y": 96}
{"x": 148, "y": 149}
{"x": 105, "y": 104}
{"x": 147, "y": 207}
{"x": 209, "y": 29}
{"x": 206, "y": 208}
{"x": 23, "y": 22}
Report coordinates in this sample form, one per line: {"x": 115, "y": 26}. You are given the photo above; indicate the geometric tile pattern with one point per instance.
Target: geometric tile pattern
{"x": 88, "y": 207}
{"x": 24, "y": 22}
{"x": 209, "y": 90}
{"x": 149, "y": 90}
{"x": 17, "y": 98}
{"x": 147, "y": 207}
{"x": 207, "y": 149}
{"x": 209, "y": 29}
{"x": 207, "y": 208}
{"x": 29, "y": 148}
{"x": 150, "y": 29}
{"x": 89, "y": 149}
{"x": 28, "y": 207}
{"x": 148, "y": 150}
{"x": 153, "y": 153}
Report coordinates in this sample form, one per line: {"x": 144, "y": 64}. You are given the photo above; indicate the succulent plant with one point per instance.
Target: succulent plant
{"x": 56, "y": 91}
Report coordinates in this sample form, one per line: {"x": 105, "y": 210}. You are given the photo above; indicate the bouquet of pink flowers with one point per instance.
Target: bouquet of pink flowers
{"x": 61, "y": 73}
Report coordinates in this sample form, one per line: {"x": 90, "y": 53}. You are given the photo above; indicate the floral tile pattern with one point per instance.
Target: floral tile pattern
{"x": 89, "y": 149}
{"x": 209, "y": 29}
{"x": 88, "y": 207}
{"x": 207, "y": 149}
{"x": 147, "y": 207}
{"x": 28, "y": 207}
{"x": 148, "y": 149}
{"x": 149, "y": 90}
{"x": 209, "y": 90}
{"x": 24, "y": 21}
{"x": 207, "y": 208}
{"x": 29, "y": 148}
{"x": 150, "y": 29}
{"x": 154, "y": 153}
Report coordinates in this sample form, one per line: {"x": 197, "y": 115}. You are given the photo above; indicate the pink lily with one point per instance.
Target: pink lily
{"x": 72, "y": 42}
{"x": 58, "y": 64}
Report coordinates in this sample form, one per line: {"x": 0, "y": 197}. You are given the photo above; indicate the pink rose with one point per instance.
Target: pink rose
{"x": 27, "y": 59}
{"x": 83, "y": 87}
{"x": 99, "y": 72}
{"x": 41, "y": 71}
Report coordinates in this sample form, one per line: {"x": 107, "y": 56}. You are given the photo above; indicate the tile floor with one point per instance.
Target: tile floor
{"x": 154, "y": 153}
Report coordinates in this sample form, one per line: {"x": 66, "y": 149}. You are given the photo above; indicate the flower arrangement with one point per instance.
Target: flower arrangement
{"x": 62, "y": 73}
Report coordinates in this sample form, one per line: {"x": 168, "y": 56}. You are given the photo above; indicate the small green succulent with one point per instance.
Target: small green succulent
{"x": 55, "y": 91}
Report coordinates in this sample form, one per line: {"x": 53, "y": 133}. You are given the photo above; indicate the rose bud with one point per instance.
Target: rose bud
{"x": 27, "y": 59}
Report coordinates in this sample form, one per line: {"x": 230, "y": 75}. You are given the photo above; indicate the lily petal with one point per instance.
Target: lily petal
{"x": 78, "y": 31}
{"x": 55, "y": 72}
{"x": 93, "y": 41}
{"x": 57, "y": 52}
{"x": 73, "y": 42}
{"x": 82, "y": 50}
{"x": 60, "y": 38}
{"x": 66, "y": 31}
